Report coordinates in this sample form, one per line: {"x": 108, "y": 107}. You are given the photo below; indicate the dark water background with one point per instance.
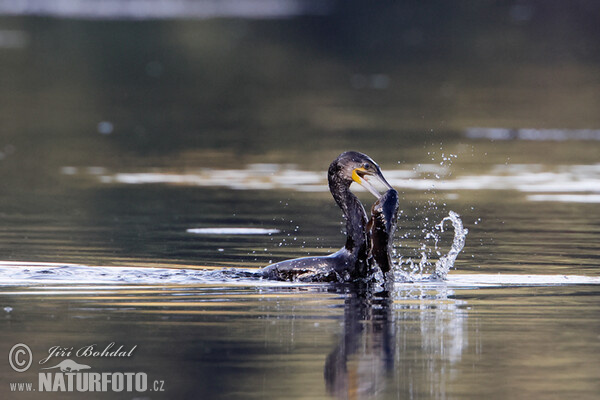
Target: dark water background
{"x": 199, "y": 102}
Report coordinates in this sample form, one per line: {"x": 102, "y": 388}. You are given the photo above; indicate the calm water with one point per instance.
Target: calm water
{"x": 111, "y": 149}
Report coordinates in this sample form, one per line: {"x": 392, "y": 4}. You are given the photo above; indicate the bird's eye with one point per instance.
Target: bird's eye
{"x": 367, "y": 166}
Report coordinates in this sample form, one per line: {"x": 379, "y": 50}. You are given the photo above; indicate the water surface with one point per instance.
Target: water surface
{"x": 132, "y": 171}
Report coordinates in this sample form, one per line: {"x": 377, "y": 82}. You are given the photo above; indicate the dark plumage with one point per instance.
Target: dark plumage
{"x": 381, "y": 228}
{"x": 355, "y": 260}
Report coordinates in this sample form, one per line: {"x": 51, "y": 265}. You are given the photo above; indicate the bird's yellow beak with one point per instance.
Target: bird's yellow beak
{"x": 358, "y": 175}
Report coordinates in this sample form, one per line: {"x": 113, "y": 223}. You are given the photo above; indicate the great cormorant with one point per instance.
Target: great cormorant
{"x": 357, "y": 258}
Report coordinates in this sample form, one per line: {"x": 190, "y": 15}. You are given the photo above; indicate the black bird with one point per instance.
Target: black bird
{"x": 355, "y": 260}
{"x": 381, "y": 228}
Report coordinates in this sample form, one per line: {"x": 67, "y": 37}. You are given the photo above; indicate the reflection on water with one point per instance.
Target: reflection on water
{"x": 233, "y": 231}
{"x": 377, "y": 331}
{"x": 522, "y": 177}
{"x": 365, "y": 352}
{"x": 152, "y": 9}
{"x": 533, "y": 134}
{"x": 566, "y": 198}
{"x": 282, "y": 338}
{"x": 411, "y": 342}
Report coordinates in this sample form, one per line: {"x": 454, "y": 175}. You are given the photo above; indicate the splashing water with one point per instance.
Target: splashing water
{"x": 444, "y": 263}
{"x": 416, "y": 270}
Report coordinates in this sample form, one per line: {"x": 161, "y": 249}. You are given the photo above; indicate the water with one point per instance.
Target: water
{"x": 144, "y": 180}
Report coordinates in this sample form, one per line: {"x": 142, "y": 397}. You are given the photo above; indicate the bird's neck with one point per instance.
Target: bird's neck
{"x": 356, "y": 220}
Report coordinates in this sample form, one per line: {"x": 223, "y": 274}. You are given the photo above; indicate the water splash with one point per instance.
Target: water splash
{"x": 444, "y": 263}
{"x": 408, "y": 269}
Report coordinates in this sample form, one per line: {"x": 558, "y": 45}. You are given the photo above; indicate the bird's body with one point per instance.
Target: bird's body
{"x": 381, "y": 228}
{"x": 355, "y": 260}
{"x": 331, "y": 268}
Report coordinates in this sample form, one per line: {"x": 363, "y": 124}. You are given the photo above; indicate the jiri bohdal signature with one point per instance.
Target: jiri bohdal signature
{"x": 91, "y": 350}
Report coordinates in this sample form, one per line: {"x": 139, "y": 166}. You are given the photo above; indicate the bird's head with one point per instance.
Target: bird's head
{"x": 353, "y": 166}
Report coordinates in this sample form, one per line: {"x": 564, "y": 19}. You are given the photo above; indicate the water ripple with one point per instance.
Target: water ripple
{"x": 31, "y": 273}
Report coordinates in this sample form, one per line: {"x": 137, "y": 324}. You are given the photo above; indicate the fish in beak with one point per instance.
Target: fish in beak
{"x": 362, "y": 176}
